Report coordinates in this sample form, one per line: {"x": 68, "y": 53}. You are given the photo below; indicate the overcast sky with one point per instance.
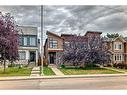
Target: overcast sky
{"x": 24, "y": 15}
{"x": 79, "y": 19}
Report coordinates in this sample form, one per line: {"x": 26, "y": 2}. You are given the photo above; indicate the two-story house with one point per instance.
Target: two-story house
{"x": 54, "y": 44}
{"x": 28, "y": 50}
{"x": 118, "y": 48}
{"x": 52, "y": 48}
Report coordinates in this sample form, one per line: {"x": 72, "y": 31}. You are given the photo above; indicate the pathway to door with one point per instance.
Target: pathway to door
{"x": 56, "y": 70}
{"x": 35, "y": 71}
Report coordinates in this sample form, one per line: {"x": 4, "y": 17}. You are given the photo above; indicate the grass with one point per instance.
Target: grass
{"x": 124, "y": 70}
{"x": 48, "y": 71}
{"x": 15, "y": 71}
{"x": 87, "y": 70}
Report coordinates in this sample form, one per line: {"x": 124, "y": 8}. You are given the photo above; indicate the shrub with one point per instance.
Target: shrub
{"x": 11, "y": 65}
{"x": 91, "y": 65}
{"x": 120, "y": 65}
{"x": 62, "y": 66}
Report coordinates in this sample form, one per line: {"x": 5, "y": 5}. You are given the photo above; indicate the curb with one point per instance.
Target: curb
{"x": 61, "y": 77}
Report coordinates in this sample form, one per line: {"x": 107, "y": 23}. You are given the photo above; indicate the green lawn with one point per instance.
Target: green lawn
{"x": 124, "y": 70}
{"x": 48, "y": 71}
{"x": 88, "y": 70}
{"x": 15, "y": 71}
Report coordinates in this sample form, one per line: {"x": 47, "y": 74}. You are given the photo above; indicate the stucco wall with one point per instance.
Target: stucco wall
{"x": 28, "y": 30}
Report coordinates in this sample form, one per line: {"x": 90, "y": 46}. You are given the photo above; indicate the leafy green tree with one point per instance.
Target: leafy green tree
{"x": 114, "y": 35}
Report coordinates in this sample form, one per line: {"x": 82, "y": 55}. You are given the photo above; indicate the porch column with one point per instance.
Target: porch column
{"x": 36, "y": 57}
{"x": 27, "y": 56}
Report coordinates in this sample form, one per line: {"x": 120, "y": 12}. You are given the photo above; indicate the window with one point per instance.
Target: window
{"x": 22, "y": 55}
{"x": 32, "y": 41}
{"x": 53, "y": 43}
{"x": 67, "y": 44}
{"x": 20, "y": 41}
{"x": 118, "y": 57}
{"x": 25, "y": 41}
{"x": 118, "y": 46}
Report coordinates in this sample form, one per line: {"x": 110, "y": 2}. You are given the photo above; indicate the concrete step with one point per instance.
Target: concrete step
{"x": 34, "y": 75}
{"x": 35, "y": 72}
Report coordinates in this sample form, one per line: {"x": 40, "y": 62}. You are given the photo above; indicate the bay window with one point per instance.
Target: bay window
{"x": 118, "y": 57}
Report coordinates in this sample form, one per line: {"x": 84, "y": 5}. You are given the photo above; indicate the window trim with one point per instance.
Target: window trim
{"x": 35, "y": 41}
{"x": 118, "y": 57}
{"x": 116, "y": 45}
{"x": 28, "y": 40}
{"x": 20, "y": 58}
{"x": 51, "y": 46}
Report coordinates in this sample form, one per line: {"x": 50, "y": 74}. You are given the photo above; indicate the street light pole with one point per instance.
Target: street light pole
{"x": 41, "y": 40}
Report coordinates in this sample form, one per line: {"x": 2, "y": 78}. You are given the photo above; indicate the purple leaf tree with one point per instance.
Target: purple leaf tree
{"x": 8, "y": 39}
{"x": 81, "y": 50}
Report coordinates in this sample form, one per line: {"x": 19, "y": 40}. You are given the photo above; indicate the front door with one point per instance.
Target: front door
{"x": 32, "y": 56}
{"x": 52, "y": 58}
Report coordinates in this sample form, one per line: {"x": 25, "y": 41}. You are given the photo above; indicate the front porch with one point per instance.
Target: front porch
{"x": 54, "y": 57}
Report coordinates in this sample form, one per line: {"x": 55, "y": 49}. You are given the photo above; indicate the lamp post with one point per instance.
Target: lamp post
{"x": 41, "y": 40}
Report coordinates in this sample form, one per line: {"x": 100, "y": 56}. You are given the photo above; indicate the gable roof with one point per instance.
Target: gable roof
{"x": 114, "y": 39}
{"x": 122, "y": 39}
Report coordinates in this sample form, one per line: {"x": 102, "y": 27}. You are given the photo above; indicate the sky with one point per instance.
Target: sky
{"x": 78, "y": 19}
{"x": 24, "y": 15}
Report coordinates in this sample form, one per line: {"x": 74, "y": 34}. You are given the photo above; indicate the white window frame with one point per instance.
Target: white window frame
{"x": 53, "y": 43}
{"x": 67, "y": 44}
{"x": 116, "y": 46}
{"x": 32, "y": 41}
{"x": 22, "y": 55}
{"x": 118, "y": 57}
{"x": 25, "y": 41}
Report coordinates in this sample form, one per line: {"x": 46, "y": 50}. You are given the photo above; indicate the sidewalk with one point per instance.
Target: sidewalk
{"x": 56, "y": 71}
{"x": 35, "y": 71}
{"x": 60, "y": 77}
{"x": 113, "y": 69}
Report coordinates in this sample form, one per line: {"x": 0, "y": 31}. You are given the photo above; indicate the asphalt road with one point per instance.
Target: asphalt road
{"x": 100, "y": 83}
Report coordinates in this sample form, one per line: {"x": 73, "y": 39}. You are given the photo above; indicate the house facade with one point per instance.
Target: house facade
{"x": 54, "y": 46}
{"x": 118, "y": 48}
{"x": 29, "y": 48}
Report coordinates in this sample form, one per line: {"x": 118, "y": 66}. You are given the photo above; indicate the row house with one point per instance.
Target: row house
{"x": 54, "y": 46}
{"x": 29, "y": 47}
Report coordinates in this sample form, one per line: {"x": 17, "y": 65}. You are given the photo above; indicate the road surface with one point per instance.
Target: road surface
{"x": 100, "y": 83}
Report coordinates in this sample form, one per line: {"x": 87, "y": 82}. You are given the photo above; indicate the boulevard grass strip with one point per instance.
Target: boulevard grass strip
{"x": 87, "y": 70}
{"x": 15, "y": 71}
{"x": 48, "y": 71}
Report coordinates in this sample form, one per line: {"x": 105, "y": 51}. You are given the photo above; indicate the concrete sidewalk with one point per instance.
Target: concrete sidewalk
{"x": 60, "y": 77}
{"x": 113, "y": 69}
{"x": 35, "y": 71}
{"x": 56, "y": 70}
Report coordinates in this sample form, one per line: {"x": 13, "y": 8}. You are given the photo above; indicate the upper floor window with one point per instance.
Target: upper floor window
{"x": 53, "y": 43}
{"x": 67, "y": 44}
{"x": 20, "y": 41}
{"x": 118, "y": 46}
{"x": 25, "y": 41}
{"x": 32, "y": 41}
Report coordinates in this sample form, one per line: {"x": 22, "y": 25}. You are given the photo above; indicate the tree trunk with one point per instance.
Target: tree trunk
{"x": 4, "y": 65}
